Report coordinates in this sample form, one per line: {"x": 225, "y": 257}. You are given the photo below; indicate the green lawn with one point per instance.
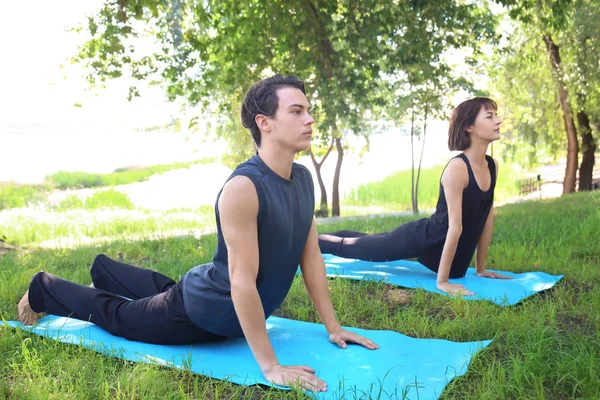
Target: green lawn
{"x": 393, "y": 193}
{"x": 547, "y": 347}
{"x": 14, "y": 195}
{"x": 121, "y": 176}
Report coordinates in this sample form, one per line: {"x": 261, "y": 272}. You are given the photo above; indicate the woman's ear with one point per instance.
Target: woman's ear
{"x": 469, "y": 129}
{"x": 263, "y": 123}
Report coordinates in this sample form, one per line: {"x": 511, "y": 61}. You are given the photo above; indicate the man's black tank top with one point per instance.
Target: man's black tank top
{"x": 285, "y": 216}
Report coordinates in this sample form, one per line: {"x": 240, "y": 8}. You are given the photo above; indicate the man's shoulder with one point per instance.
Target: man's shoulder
{"x": 300, "y": 169}
{"x": 248, "y": 165}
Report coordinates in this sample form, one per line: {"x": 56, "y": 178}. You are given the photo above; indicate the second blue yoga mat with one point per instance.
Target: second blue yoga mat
{"x": 412, "y": 274}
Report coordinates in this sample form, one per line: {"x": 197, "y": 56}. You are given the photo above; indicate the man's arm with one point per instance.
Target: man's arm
{"x": 238, "y": 209}
{"x": 315, "y": 278}
{"x": 454, "y": 180}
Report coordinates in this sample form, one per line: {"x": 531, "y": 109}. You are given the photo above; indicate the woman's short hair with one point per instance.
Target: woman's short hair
{"x": 464, "y": 116}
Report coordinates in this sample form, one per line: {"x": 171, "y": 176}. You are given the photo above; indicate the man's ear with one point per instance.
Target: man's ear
{"x": 263, "y": 122}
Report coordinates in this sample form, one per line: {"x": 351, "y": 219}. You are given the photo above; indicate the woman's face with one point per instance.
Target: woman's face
{"x": 486, "y": 126}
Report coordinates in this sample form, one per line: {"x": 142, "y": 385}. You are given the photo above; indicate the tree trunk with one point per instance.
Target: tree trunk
{"x": 412, "y": 161}
{"x": 335, "y": 195}
{"x": 572, "y": 145}
{"x": 588, "y": 148}
{"x": 421, "y": 160}
{"x": 323, "y": 204}
{"x": 322, "y": 188}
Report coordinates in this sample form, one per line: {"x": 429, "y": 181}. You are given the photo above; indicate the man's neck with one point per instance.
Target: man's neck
{"x": 278, "y": 160}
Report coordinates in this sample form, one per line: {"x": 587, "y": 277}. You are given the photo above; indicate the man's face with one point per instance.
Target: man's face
{"x": 291, "y": 126}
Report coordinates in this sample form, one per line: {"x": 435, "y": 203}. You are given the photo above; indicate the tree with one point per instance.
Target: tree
{"x": 572, "y": 144}
{"x": 565, "y": 29}
{"x": 532, "y": 126}
{"x": 585, "y": 32}
{"x": 210, "y": 51}
{"x": 419, "y": 77}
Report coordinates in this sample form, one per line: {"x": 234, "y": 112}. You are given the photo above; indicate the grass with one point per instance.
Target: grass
{"x": 99, "y": 200}
{"x": 75, "y": 227}
{"x": 393, "y": 193}
{"x": 13, "y": 195}
{"x": 76, "y": 180}
{"x": 547, "y": 347}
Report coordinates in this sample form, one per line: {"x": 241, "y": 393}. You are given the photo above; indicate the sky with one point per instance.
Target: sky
{"x": 42, "y": 131}
{"x": 36, "y": 93}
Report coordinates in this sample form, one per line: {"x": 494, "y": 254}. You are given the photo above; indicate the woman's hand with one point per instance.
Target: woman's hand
{"x": 492, "y": 275}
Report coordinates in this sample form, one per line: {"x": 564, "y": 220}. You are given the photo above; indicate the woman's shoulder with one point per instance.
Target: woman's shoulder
{"x": 456, "y": 173}
{"x": 457, "y": 164}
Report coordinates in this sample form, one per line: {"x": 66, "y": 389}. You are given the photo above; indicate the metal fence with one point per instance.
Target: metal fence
{"x": 535, "y": 184}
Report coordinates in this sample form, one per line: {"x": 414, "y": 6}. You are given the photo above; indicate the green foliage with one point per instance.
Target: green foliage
{"x": 75, "y": 180}
{"x": 13, "y": 195}
{"x": 528, "y": 81}
{"x": 532, "y": 128}
{"x": 584, "y": 56}
{"x": 354, "y": 56}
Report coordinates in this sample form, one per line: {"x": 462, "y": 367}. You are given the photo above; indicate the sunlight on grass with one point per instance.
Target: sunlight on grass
{"x": 72, "y": 180}
{"x": 13, "y": 195}
{"x": 68, "y": 228}
{"x": 545, "y": 347}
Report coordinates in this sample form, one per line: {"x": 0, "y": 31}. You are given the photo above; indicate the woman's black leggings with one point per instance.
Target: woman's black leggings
{"x": 399, "y": 244}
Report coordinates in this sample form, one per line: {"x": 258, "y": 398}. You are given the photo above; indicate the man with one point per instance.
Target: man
{"x": 265, "y": 228}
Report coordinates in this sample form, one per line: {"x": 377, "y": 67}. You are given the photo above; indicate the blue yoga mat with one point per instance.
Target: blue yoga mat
{"x": 412, "y": 274}
{"x": 421, "y": 368}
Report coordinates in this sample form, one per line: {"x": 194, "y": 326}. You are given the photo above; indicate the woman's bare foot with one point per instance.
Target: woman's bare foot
{"x": 26, "y": 315}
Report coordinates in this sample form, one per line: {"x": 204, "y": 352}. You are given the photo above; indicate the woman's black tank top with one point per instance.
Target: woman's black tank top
{"x": 476, "y": 205}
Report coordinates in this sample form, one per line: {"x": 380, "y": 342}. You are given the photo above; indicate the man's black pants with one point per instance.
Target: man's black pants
{"x": 135, "y": 303}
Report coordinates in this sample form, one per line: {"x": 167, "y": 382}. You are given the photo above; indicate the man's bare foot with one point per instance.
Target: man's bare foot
{"x": 26, "y": 315}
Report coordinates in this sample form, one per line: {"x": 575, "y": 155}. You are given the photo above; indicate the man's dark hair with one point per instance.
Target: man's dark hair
{"x": 262, "y": 99}
{"x": 464, "y": 116}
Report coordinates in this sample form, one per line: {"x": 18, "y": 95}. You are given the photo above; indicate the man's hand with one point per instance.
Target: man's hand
{"x": 341, "y": 337}
{"x": 454, "y": 288}
{"x": 295, "y": 375}
{"x": 492, "y": 275}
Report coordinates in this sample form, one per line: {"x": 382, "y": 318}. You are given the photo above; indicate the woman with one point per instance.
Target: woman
{"x": 463, "y": 219}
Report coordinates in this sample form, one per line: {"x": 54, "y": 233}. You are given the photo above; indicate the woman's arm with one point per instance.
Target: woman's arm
{"x": 484, "y": 244}
{"x": 454, "y": 181}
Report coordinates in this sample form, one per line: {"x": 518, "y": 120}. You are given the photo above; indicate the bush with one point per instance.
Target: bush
{"x": 13, "y": 195}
